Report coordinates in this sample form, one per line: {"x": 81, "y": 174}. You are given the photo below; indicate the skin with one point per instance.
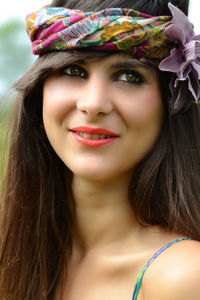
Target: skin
{"x": 133, "y": 111}
{"x": 108, "y": 242}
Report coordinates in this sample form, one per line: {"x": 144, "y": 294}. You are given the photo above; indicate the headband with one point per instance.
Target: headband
{"x": 166, "y": 42}
{"x": 114, "y": 29}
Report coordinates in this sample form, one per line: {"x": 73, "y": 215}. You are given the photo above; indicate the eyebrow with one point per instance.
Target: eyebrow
{"x": 122, "y": 64}
{"x": 129, "y": 64}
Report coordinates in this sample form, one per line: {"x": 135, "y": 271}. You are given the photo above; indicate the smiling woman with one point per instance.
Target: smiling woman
{"x": 102, "y": 185}
{"x": 130, "y": 114}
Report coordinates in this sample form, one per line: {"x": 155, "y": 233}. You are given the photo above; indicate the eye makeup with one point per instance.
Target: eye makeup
{"x": 127, "y": 75}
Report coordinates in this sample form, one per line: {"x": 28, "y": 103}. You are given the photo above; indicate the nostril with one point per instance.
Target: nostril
{"x": 95, "y": 105}
{"x": 83, "y": 111}
{"x": 101, "y": 114}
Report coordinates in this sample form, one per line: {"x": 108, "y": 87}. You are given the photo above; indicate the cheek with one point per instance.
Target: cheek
{"x": 143, "y": 105}
{"x": 58, "y": 99}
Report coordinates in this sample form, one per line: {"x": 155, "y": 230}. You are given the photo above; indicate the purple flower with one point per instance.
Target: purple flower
{"x": 184, "y": 60}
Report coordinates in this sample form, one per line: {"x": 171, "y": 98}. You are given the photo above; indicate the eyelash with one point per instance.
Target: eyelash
{"x": 75, "y": 66}
{"x": 138, "y": 77}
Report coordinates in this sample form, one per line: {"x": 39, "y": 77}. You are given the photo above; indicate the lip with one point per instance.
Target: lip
{"x": 93, "y": 142}
{"x": 90, "y": 130}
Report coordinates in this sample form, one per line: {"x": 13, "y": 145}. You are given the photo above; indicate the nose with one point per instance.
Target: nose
{"x": 95, "y": 98}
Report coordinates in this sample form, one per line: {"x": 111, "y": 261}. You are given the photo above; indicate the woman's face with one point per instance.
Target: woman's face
{"x": 102, "y": 117}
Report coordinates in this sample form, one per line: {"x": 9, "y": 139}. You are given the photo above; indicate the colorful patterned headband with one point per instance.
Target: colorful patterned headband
{"x": 114, "y": 29}
{"x": 149, "y": 39}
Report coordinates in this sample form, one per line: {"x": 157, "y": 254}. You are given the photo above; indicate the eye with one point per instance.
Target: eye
{"x": 74, "y": 71}
{"x": 129, "y": 76}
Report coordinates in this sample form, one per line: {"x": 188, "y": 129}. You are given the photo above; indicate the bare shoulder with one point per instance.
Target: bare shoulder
{"x": 174, "y": 274}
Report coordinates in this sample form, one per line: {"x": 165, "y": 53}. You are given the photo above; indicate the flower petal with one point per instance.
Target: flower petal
{"x": 174, "y": 62}
{"x": 185, "y": 71}
{"x": 180, "y": 100}
{"x": 196, "y": 66}
{"x": 176, "y": 100}
{"x": 174, "y": 33}
{"x": 196, "y": 37}
{"x": 192, "y": 51}
{"x": 193, "y": 86}
{"x": 182, "y": 21}
{"x": 197, "y": 48}
{"x": 195, "y": 83}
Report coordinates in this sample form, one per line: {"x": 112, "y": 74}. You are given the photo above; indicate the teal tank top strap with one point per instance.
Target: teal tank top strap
{"x": 140, "y": 277}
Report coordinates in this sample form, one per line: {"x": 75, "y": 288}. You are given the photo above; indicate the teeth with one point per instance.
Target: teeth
{"x": 93, "y": 136}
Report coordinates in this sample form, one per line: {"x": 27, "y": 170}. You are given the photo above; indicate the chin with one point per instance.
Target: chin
{"x": 93, "y": 174}
{"x": 98, "y": 174}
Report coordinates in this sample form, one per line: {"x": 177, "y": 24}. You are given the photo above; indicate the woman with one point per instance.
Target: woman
{"x": 103, "y": 174}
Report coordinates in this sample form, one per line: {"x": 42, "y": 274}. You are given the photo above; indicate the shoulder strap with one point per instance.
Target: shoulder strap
{"x": 140, "y": 277}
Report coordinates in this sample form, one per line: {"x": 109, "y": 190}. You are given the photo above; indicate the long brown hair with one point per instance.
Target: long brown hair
{"x": 37, "y": 207}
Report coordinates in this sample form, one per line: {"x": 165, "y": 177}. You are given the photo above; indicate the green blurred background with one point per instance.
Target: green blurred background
{"x": 15, "y": 59}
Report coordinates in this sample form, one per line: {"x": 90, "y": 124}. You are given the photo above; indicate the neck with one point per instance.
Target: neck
{"x": 104, "y": 215}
